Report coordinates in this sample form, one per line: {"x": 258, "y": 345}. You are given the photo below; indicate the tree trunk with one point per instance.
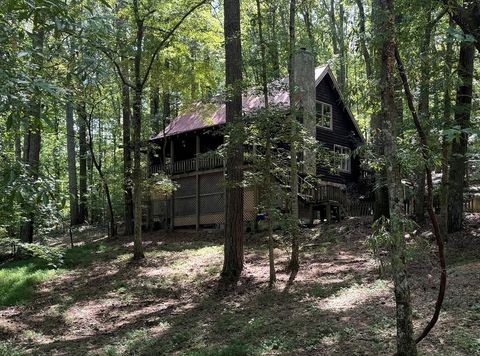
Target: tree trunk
{"x": 363, "y": 42}
{"x": 377, "y": 122}
{"x": 154, "y": 111}
{"x": 308, "y": 27}
{"x": 405, "y": 339}
{"x": 127, "y": 161}
{"x": 423, "y": 113}
{"x": 458, "y": 159}
{"x": 137, "y": 131}
{"x": 234, "y": 240}
{"x": 338, "y": 41}
{"x": 72, "y": 166}
{"x": 98, "y": 165}
{"x": 446, "y": 145}
{"x": 83, "y": 147}
{"x": 18, "y": 147}
{"x": 467, "y": 17}
{"x": 342, "y": 79}
{"x": 273, "y": 46}
{"x": 268, "y": 155}
{"x": 294, "y": 263}
{"x": 32, "y": 140}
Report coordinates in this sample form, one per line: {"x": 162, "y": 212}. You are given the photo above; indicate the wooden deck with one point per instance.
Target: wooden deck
{"x": 189, "y": 165}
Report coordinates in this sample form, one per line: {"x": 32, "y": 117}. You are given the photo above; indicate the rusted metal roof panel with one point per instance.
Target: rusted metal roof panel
{"x": 204, "y": 115}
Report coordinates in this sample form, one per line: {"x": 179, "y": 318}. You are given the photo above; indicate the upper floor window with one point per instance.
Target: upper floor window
{"x": 324, "y": 115}
{"x": 343, "y": 158}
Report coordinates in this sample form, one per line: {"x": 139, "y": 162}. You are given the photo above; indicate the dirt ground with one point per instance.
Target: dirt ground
{"x": 105, "y": 304}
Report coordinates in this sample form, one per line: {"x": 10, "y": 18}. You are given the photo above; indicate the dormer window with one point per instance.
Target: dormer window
{"x": 324, "y": 115}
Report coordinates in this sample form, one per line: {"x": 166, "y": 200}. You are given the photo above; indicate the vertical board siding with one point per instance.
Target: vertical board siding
{"x": 343, "y": 133}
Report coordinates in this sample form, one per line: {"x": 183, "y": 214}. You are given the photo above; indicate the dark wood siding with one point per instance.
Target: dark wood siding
{"x": 343, "y": 133}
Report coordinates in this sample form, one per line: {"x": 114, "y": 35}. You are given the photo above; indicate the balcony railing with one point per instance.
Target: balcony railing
{"x": 189, "y": 165}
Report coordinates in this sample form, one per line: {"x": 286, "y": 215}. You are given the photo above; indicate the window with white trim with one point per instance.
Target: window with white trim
{"x": 324, "y": 115}
{"x": 343, "y": 158}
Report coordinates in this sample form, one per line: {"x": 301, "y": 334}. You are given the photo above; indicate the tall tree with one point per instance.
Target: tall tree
{"x": 268, "y": 151}
{"x": 424, "y": 102}
{"x": 458, "y": 156}
{"x": 137, "y": 83}
{"x": 83, "y": 175}
{"x": 72, "y": 166}
{"x": 127, "y": 160}
{"x": 32, "y": 139}
{"x": 234, "y": 239}
{"x": 98, "y": 166}
{"x": 294, "y": 263}
{"x": 381, "y": 204}
{"x": 338, "y": 40}
{"x": 446, "y": 145}
{"x": 122, "y": 44}
{"x": 405, "y": 339}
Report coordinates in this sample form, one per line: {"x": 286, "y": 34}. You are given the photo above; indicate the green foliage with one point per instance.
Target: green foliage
{"x": 18, "y": 280}
{"x": 385, "y": 233}
{"x": 9, "y": 349}
{"x": 161, "y": 185}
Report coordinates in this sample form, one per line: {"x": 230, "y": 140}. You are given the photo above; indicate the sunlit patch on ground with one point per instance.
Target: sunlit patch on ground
{"x": 102, "y": 302}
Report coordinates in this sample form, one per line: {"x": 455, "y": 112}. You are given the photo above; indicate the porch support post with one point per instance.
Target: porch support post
{"x": 172, "y": 203}
{"x": 329, "y": 213}
{"x": 197, "y": 182}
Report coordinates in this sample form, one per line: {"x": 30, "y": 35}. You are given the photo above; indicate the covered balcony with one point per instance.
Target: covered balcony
{"x": 187, "y": 153}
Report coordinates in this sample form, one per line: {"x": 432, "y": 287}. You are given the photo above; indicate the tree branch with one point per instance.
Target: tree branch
{"x": 431, "y": 212}
{"x": 167, "y": 37}
{"x": 464, "y": 17}
{"x": 116, "y": 65}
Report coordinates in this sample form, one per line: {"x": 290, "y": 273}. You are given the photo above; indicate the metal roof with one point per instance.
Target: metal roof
{"x": 205, "y": 115}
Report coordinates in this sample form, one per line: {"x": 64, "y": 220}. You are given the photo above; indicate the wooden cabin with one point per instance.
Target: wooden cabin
{"x": 180, "y": 151}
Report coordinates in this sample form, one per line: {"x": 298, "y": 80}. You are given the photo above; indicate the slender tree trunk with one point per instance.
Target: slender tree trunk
{"x": 333, "y": 27}
{"x": 137, "y": 130}
{"x": 433, "y": 218}
{"x": 308, "y": 27}
{"x": 127, "y": 161}
{"x": 405, "y": 338}
{"x": 154, "y": 110}
{"x": 446, "y": 145}
{"x": 341, "y": 46}
{"x": 18, "y": 148}
{"x": 363, "y": 42}
{"x": 165, "y": 120}
{"x": 338, "y": 40}
{"x": 294, "y": 263}
{"x": 98, "y": 166}
{"x": 32, "y": 140}
{"x": 234, "y": 239}
{"x": 377, "y": 122}
{"x": 72, "y": 166}
{"x": 268, "y": 154}
{"x": 424, "y": 113}
{"x": 458, "y": 159}
{"x": 83, "y": 147}
{"x": 273, "y": 46}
